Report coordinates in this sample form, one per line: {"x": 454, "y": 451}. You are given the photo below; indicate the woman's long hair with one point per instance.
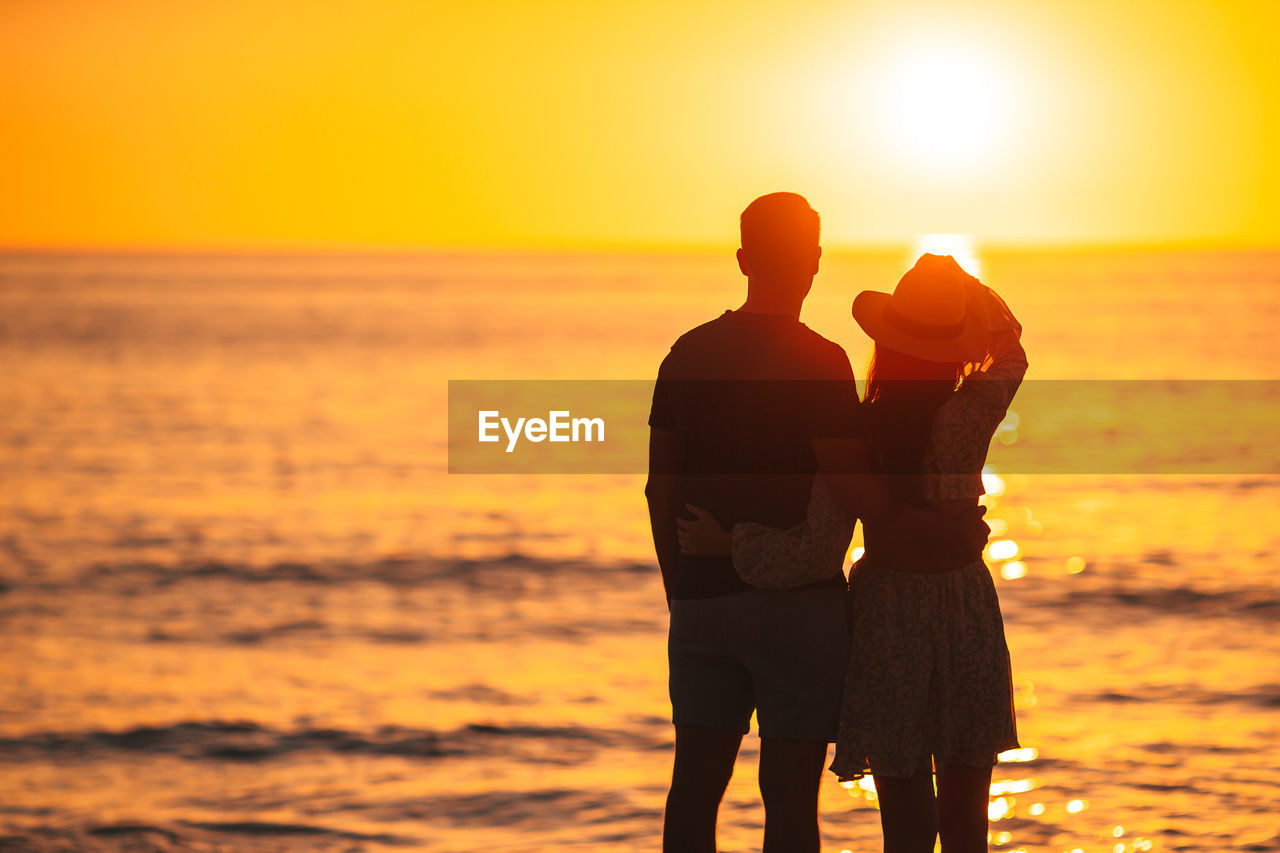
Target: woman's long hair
{"x": 903, "y": 394}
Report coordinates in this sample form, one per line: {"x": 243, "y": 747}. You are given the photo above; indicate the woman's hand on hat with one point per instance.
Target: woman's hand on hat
{"x": 991, "y": 309}
{"x": 1004, "y": 332}
{"x": 999, "y": 318}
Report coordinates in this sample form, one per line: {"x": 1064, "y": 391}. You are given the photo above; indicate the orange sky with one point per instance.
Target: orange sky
{"x": 553, "y": 124}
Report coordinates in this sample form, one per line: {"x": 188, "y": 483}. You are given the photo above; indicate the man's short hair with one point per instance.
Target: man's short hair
{"x": 781, "y": 226}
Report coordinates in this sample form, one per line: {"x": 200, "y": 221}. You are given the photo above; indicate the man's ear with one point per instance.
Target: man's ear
{"x": 817, "y": 256}
{"x": 742, "y": 262}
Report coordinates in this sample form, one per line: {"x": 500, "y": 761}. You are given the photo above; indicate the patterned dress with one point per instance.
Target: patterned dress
{"x": 929, "y": 675}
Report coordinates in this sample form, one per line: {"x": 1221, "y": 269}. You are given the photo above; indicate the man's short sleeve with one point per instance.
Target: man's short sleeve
{"x": 661, "y": 414}
{"x": 833, "y": 406}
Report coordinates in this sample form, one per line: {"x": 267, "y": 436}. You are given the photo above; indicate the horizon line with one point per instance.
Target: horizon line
{"x": 285, "y": 247}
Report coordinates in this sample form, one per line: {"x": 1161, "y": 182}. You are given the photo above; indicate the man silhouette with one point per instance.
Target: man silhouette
{"x": 740, "y": 404}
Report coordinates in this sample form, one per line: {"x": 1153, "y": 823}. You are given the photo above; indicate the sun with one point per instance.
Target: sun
{"x": 944, "y": 108}
{"x": 958, "y": 246}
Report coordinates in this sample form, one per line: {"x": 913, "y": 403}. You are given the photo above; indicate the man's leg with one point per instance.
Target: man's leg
{"x": 703, "y": 767}
{"x": 790, "y": 774}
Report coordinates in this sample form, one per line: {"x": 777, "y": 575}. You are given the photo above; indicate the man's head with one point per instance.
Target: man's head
{"x": 780, "y": 245}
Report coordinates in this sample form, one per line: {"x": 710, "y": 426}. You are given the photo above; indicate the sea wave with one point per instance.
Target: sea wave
{"x": 203, "y": 835}
{"x": 391, "y": 571}
{"x": 1266, "y": 696}
{"x": 243, "y": 741}
{"x": 526, "y": 582}
{"x": 1138, "y": 599}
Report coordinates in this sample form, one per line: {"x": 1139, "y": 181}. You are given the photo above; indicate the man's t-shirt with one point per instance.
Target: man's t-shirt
{"x": 746, "y": 394}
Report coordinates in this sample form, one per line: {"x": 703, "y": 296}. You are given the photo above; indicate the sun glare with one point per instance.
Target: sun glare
{"x": 944, "y": 108}
{"x": 958, "y": 246}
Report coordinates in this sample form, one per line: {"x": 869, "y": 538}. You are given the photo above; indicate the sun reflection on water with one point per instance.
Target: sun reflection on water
{"x": 1013, "y": 570}
{"x": 992, "y": 482}
{"x": 1013, "y": 756}
{"x": 1012, "y": 786}
{"x": 1002, "y": 549}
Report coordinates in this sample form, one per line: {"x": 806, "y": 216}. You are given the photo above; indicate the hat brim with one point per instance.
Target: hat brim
{"x": 969, "y": 345}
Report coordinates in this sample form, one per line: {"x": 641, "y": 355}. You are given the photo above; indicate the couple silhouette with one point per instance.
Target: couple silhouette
{"x": 762, "y": 459}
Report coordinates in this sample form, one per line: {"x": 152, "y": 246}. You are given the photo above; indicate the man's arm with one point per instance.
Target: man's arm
{"x": 663, "y": 494}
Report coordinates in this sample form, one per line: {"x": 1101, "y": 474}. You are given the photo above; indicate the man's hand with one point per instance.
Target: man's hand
{"x": 974, "y": 531}
{"x": 703, "y": 537}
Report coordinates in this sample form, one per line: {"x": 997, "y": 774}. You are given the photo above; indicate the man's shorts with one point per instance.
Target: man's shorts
{"x": 781, "y": 653}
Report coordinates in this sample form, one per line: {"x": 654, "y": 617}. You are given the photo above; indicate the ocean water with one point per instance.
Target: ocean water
{"x": 244, "y": 607}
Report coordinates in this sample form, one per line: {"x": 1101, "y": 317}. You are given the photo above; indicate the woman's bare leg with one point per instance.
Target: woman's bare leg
{"x": 908, "y": 812}
{"x": 963, "y": 794}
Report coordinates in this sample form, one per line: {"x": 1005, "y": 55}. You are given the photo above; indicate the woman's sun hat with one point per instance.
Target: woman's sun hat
{"x": 926, "y": 316}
